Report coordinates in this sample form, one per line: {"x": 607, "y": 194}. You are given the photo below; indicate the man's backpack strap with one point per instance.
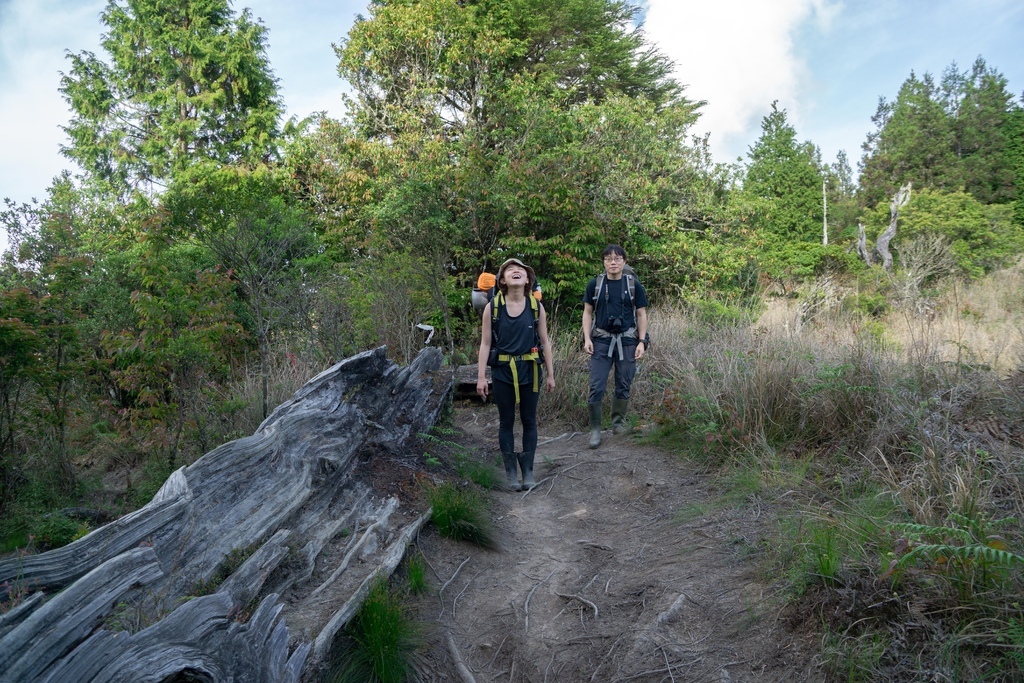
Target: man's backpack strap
{"x": 598, "y": 283}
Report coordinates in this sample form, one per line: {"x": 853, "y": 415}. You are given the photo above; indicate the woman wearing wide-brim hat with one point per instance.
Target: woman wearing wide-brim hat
{"x": 514, "y": 342}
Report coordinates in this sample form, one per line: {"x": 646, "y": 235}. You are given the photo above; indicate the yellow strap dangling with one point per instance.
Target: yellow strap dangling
{"x": 515, "y": 378}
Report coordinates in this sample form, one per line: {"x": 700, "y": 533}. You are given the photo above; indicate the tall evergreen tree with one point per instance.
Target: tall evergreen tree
{"x": 913, "y": 141}
{"x": 979, "y": 104}
{"x": 1015, "y": 158}
{"x": 945, "y": 137}
{"x": 186, "y": 80}
{"x": 786, "y": 172}
{"x": 842, "y": 195}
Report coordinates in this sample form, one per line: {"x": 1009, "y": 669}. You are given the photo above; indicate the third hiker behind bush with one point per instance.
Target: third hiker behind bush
{"x": 614, "y": 334}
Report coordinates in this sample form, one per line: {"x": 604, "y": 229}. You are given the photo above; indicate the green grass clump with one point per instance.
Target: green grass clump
{"x": 33, "y": 520}
{"x": 56, "y": 530}
{"x": 855, "y": 660}
{"x": 461, "y": 514}
{"x": 378, "y": 642}
{"x": 466, "y": 463}
{"x": 416, "y": 574}
{"x": 485, "y": 475}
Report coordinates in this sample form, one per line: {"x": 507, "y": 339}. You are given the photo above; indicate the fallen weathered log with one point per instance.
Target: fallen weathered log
{"x": 239, "y": 564}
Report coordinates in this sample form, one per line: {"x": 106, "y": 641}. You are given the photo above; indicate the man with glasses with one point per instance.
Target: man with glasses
{"x": 615, "y": 335}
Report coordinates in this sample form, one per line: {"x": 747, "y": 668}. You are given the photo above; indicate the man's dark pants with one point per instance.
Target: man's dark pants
{"x": 601, "y": 365}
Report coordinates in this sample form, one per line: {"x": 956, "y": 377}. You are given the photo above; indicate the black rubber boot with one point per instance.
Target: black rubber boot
{"x": 511, "y": 475}
{"x": 595, "y": 424}
{"x": 619, "y": 408}
{"x": 526, "y": 465}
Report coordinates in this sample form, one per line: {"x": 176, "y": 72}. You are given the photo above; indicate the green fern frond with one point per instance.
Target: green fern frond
{"x": 927, "y": 531}
{"x": 981, "y": 554}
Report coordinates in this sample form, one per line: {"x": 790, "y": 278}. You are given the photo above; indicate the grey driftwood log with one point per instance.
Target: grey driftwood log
{"x": 126, "y": 602}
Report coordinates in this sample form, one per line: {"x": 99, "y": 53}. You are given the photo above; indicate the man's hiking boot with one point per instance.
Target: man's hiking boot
{"x": 595, "y": 423}
{"x": 511, "y": 474}
{"x": 619, "y": 407}
{"x": 526, "y": 465}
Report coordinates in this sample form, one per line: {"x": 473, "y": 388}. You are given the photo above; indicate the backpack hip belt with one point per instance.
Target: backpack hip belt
{"x": 616, "y": 339}
{"x": 511, "y": 360}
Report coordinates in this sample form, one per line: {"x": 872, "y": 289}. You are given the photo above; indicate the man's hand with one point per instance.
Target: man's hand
{"x": 641, "y": 349}
{"x": 550, "y": 384}
{"x": 481, "y": 388}
{"x": 588, "y": 346}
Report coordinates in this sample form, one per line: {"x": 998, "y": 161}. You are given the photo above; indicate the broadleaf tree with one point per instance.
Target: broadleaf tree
{"x": 484, "y": 129}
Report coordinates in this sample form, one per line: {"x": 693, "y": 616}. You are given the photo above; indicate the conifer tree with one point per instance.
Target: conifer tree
{"x": 979, "y": 104}
{"x": 944, "y": 136}
{"x": 913, "y": 142}
{"x": 787, "y": 173}
{"x": 1015, "y": 159}
{"x": 185, "y": 80}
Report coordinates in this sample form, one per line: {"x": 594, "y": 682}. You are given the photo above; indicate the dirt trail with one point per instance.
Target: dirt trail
{"x": 597, "y": 580}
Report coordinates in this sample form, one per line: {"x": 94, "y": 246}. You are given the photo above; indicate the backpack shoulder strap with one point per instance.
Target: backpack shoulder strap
{"x": 535, "y": 309}
{"x": 497, "y": 301}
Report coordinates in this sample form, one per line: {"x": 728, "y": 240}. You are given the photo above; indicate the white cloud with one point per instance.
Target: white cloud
{"x": 739, "y": 56}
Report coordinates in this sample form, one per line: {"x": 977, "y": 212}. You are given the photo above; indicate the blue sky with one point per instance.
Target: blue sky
{"x": 826, "y": 62}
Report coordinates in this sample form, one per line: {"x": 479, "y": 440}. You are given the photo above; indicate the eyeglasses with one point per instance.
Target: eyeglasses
{"x": 614, "y": 258}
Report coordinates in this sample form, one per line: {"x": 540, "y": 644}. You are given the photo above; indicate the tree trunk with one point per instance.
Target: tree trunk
{"x": 862, "y": 244}
{"x": 264, "y": 371}
{"x": 144, "y": 598}
{"x": 824, "y": 218}
{"x": 899, "y": 200}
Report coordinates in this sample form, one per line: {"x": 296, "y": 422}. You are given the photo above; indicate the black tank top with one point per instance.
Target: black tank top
{"x": 515, "y": 337}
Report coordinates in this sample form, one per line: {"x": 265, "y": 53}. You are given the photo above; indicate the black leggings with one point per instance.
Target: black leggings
{"x": 505, "y": 398}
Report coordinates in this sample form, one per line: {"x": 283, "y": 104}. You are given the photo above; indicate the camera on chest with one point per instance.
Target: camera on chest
{"x": 615, "y": 326}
